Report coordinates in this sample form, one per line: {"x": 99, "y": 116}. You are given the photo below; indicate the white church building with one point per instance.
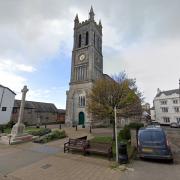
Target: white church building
{"x": 167, "y": 106}
{"x": 6, "y": 104}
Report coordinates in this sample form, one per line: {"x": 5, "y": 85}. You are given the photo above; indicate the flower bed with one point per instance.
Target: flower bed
{"x": 54, "y": 135}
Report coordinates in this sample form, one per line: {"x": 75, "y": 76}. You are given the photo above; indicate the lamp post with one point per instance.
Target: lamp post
{"x": 179, "y": 90}
{"x": 115, "y": 119}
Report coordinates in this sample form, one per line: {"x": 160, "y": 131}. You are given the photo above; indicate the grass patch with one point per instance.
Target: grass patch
{"x": 108, "y": 139}
{"x": 28, "y": 130}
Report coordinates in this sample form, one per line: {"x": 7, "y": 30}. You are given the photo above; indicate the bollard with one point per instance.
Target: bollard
{"x": 76, "y": 127}
{"x": 59, "y": 126}
{"x": 45, "y": 125}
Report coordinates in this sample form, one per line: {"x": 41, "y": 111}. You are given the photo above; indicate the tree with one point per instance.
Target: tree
{"x": 117, "y": 91}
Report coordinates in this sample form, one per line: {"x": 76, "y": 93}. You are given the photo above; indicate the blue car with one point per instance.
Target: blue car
{"x": 153, "y": 144}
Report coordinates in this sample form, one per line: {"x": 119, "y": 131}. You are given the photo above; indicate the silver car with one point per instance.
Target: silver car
{"x": 175, "y": 125}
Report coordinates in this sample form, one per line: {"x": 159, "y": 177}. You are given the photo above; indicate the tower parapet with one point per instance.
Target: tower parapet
{"x": 78, "y": 24}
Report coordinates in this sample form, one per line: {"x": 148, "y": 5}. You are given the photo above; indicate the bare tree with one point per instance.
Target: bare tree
{"x": 118, "y": 91}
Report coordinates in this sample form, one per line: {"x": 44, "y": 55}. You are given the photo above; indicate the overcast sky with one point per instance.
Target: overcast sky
{"x": 140, "y": 37}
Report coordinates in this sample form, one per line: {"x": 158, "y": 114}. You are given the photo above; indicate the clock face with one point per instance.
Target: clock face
{"x": 82, "y": 57}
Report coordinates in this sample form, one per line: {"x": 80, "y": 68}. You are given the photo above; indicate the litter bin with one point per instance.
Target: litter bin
{"x": 123, "y": 155}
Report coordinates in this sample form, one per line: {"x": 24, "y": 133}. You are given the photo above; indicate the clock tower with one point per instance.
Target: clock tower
{"x": 86, "y": 67}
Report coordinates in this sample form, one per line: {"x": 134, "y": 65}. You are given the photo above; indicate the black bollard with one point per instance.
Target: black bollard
{"x": 90, "y": 129}
{"x": 45, "y": 125}
{"x": 76, "y": 127}
{"x": 59, "y": 126}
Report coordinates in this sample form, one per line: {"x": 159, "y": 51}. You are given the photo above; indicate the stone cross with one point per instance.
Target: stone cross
{"x": 18, "y": 128}
{"x": 21, "y": 112}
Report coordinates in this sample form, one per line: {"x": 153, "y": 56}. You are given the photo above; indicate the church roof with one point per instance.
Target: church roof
{"x": 107, "y": 77}
{"x": 38, "y": 106}
{"x": 168, "y": 93}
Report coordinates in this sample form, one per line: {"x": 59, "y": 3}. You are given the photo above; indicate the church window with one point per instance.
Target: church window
{"x": 79, "y": 44}
{"x": 81, "y": 101}
{"x": 87, "y": 38}
{"x": 94, "y": 39}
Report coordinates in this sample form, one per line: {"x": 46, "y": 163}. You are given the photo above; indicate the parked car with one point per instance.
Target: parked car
{"x": 154, "y": 123}
{"x": 153, "y": 144}
{"x": 175, "y": 125}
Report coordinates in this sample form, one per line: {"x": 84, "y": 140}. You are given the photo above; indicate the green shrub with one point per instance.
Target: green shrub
{"x": 135, "y": 125}
{"x": 39, "y": 132}
{"x": 124, "y": 134}
{"x": 10, "y": 124}
{"x": 51, "y": 136}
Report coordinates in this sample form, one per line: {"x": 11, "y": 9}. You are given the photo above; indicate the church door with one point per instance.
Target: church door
{"x": 81, "y": 118}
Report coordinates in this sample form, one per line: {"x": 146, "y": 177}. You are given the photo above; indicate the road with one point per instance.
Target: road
{"x": 156, "y": 170}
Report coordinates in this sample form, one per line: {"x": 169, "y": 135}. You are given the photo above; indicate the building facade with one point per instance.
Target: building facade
{"x": 6, "y": 104}
{"x": 35, "y": 113}
{"x": 86, "y": 67}
{"x": 167, "y": 106}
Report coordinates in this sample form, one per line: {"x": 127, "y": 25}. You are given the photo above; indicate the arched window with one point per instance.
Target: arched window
{"x": 87, "y": 38}
{"x": 79, "y": 44}
{"x": 82, "y": 101}
{"x": 94, "y": 39}
{"x": 98, "y": 45}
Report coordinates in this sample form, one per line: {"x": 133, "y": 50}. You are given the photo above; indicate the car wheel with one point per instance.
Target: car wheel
{"x": 171, "y": 161}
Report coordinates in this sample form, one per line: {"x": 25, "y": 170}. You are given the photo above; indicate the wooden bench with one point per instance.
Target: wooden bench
{"x": 99, "y": 148}
{"x": 82, "y": 138}
{"x": 78, "y": 144}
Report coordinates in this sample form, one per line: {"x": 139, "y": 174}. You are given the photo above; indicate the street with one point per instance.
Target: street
{"x": 156, "y": 170}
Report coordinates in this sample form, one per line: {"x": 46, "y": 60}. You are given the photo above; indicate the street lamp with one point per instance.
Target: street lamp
{"x": 179, "y": 90}
{"x": 115, "y": 119}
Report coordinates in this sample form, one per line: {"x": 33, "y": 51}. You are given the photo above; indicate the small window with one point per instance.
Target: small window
{"x": 166, "y": 119}
{"x": 178, "y": 120}
{"x": 4, "y": 108}
{"x": 164, "y": 109}
{"x": 175, "y": 101}
{"x": 176, "y": 109}
{"x": 14, "y": 110}
{"x": 163, "y": 102}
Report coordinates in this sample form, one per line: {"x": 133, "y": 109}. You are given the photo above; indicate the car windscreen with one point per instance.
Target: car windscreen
{"x": 152, "y": 138}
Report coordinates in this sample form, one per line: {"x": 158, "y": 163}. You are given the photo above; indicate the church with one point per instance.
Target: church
{"x": 86, "y": 68}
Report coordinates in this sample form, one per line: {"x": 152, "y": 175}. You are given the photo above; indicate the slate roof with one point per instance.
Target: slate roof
{"x": 168, "y": 93}
{"x": 38, "y": 106}
{"x": 7, "y": 88}
{"x": 61, "y": 111}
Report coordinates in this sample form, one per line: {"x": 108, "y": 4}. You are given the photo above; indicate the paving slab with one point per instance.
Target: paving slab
{"x": 56, "y": 168}
{"x": 15, "y": 160}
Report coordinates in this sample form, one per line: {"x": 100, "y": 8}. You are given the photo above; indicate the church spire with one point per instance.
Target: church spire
{"x": 100, "y": 24}
{"x": 91, "y": 14}
{"x": 76, "y": 20}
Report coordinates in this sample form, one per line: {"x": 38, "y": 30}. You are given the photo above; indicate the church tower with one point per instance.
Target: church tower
{"x": 86, "y": 67}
